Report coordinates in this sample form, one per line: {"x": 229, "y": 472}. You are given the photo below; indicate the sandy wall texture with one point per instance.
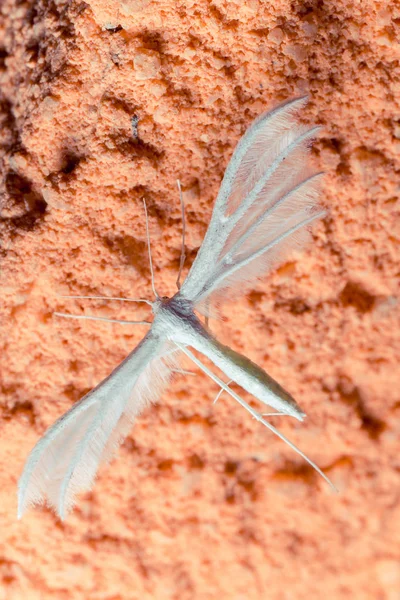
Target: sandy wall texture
{"x": 103, "y": 103}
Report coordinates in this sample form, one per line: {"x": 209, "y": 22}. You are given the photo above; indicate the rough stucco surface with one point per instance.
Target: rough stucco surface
{"x": 201, "y": 502}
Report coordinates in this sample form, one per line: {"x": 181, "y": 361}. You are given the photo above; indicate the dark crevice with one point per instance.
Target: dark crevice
{"x": 369, "y": 423}
{"x": 230, "y": 496}
{"x": 195, "y": 419}
{"x": 255, "y": 297}
{"x": 296, "y": 306}
{"x": 354, "y": 295}
{"x": 262, "y": 32}
{"x": 3, "y": 56}
{"x": 373, "y": 426}
{"x": 155, "y": 210}
{"x": 152, "y": 40}
{"x": 242, "y": 96}
{"x": 25, "y": 409}
{"x": 119, "y": 103}
{"x": 217, "y": 14}
{"x": 249, "y": 485}
{"x": 8, "y": 121}
{"x": 195, "y": 462}
{"x": 183, "y": 96}
{"x": 292, "y": 471}
{"x": 166, "y": 464}
{"x": 133, "y": 250}
{"x": 27, "y": 206}
{"x": 343, "y": 169}
{"x": 73, "y": 393}
{"x": 222, "y": 18}
{"x": 32, "y": 15}
{"x": 135, "y": 194}
{"x": 138, "y": 149}
{"x": 231, "y": 467}
{"x": 342, "y": 462}
{"x": 33, "y": 50}
{"x": 337, "y": 144}
{"x": 70, "y": 162}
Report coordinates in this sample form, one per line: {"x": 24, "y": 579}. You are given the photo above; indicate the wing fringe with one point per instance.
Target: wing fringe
{"x": 264, "y": 210}
{"x": 65, "y": 461}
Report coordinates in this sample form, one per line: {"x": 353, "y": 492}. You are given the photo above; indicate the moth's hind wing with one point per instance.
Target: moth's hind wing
{"x": 66, "y": 459}
{"x": 264, "y": 209}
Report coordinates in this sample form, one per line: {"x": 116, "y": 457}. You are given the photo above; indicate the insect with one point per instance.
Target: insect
{"x": 265, "y": 207}
{"x": 134, "y": 125}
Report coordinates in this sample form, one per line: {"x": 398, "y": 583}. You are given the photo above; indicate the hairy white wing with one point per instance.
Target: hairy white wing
{"x": 264, "y": 209}
{"x": 65, "y": 460}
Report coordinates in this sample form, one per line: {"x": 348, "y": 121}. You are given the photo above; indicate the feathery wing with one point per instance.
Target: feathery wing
{"x": 265, "y": 206}
{"x": 65, "y": 460}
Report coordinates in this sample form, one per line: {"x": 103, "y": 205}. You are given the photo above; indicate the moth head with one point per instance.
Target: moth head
{"x": 158, "y": 302}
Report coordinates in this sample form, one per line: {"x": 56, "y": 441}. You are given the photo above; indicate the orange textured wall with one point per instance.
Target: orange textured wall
{"x": 201, "y": 502}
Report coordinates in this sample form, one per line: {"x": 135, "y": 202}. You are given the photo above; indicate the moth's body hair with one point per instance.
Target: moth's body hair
{"x": 266, "y": 203}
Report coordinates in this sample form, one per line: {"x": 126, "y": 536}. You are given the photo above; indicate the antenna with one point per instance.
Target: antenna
{"x": 74, "y": 297}
{"x": 183, "y": 255}
{"x": 149, "y": 250}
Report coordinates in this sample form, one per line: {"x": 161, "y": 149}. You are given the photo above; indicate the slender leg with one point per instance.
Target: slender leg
{"x": 273, "y": 414}
{"x": 221, "y": 391}
{"x": 253, "y": 412}
{"x": 105, "y": 319}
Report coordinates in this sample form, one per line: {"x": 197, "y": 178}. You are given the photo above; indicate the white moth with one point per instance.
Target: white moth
{"x": 264, "y": 209}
